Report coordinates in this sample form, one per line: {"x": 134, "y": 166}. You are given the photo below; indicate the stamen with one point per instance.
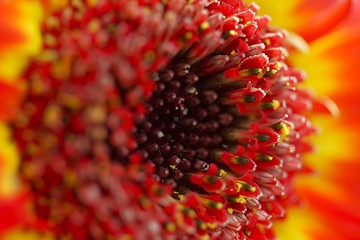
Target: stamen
{"x": 263, "y": 157}
{"x": 239, "y": 160}
{"x": 251, "y": 72}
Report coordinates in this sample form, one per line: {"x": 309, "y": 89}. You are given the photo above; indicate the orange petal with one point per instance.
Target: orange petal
{"x": 345, "y": 52}
{"x": 318, "y": 19}
{"x": 309, "y": 18}
{"x": 19, "y": 35}
{"x": 11, "y": 96}
{"x": 336, "y": 57}
{"x": 335, "y": 214}
{"x": 332, "y": 62}
{"x": 10, "y": 30}
{"x": 332, "y": 197}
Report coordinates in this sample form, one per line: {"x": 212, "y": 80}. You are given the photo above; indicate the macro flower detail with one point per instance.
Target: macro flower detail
{"x": 201, "y": 103}
{"x": 160, "y": 119}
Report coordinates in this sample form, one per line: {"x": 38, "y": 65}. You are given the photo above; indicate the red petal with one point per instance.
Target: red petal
{"x": 10, "y": 96}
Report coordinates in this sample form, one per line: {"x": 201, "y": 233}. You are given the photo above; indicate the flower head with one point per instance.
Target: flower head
{"x": 161, "y": 119}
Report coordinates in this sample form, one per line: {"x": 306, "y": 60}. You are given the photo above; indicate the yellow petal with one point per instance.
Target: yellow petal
{"x": 19, "y": 234}
{"x": 9, "y": 161}
{"x": 310, "y": 19}
{"x": 24, "y": 16}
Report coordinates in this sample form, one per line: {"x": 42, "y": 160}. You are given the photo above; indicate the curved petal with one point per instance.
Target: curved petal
{"x": 8, "y": 163}
{"x": 303, "y": 224}
{"x": 333, "y": 59}
{"x": 27, "y": 235}
{"x": 331, "y": 196}
{"x": 19, "y": 39}
{"x": 11, "y": 94}
{"x": 310, "y": 19}
{"x": 20, "y": 35}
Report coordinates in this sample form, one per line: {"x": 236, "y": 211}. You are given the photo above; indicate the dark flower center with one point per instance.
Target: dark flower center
{"x": 186, "y": 125}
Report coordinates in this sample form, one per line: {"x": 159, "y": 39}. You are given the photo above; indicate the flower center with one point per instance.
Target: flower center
{"x": 185, "y": 128}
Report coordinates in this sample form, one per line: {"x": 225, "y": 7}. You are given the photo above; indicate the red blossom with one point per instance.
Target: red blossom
{"x": 170, "y": 119}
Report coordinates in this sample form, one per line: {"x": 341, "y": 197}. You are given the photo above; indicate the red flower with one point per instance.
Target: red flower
{"x": 153, "y": 119}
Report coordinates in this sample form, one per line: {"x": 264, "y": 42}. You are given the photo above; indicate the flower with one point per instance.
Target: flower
{"x": 159, "y": 119}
